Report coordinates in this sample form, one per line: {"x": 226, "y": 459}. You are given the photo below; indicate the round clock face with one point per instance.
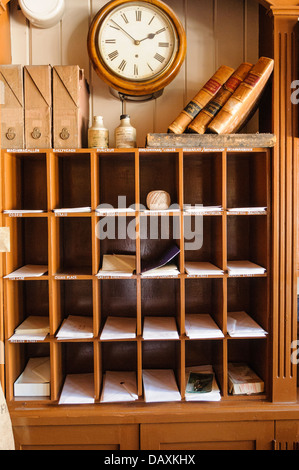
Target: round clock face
{"x": 137, "y": 41}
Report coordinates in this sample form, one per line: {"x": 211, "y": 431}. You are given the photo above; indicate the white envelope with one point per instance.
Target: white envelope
{"x": 76, "y": 327}
{"x": 156, "y": 328}
{"x": 119, "y": 328}
{"x": 34, "y": 328}
{"x": 247, "y": 209}
{"x": 201, "y": 326}
{"x": 240, "y": 324}
{"x": 160, "y": 386}
{"x": 119, "y": 387}
{"x": 244, "y": 267}
{"x": 71, "y": 210}
{"x": 194, "y": 268}
{"x": 77, "y": 389}
{"x": 29, "y": 271}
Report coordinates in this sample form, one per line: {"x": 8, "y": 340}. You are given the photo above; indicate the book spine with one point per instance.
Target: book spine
{"x": 238, "y": 107}
{"x": 202, "y": 98}
{"x": 203, "y": 119}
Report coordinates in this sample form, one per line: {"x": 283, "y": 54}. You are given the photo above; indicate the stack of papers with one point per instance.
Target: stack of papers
{"x": 194, "y": 268}
{"x": 162, "y": 266}
{"x": 202, "y": 326}
{"x": 201, "y": 384}
{"x": 160, "y": 386}
{"x": 77, "y": 389}
{"x": 72, "y": 210}
{"x": 35, "y": 380}
{"x": 242, "y": 380}
{"x": 240, "y": 324}
{"x": 198, "y": 209}
{"x": 29, "y": 270}
{"x": 156, "y": 328}
{"x": 119, "y": 328}
{"x": 167, "y": 270}
{"x": 114, "y": 210}
{"x": 76, "y": 327}
{"x": 118, "y": 265}
{"x": 22, "y": 211}
{"x": 119, "y": 387}
{"x": 34, "y": 328}
{"x": 243, "y": 268}
{"x": 173, "y": 209}
{"x": 247, "y": 209}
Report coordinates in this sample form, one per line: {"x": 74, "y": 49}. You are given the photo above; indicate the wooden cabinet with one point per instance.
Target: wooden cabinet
{"x": 68, "y": 245}
{"x": 64, "y": 437}
{"x": 208, "y": 436}
{"x": 47, "y": 180}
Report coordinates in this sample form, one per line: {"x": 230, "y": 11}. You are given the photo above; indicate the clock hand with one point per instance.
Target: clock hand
{"x": 135, "y": 40}
{"x": 149, "y": 36}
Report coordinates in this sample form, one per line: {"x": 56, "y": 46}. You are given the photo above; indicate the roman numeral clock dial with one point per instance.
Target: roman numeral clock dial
{"x": 137, "y": 47}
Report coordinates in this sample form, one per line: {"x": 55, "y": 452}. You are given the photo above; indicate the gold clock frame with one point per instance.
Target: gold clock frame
{"x": 149, "y": 87}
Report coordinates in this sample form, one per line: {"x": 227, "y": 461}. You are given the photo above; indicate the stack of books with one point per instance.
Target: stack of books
{"x": 226, "y": 101}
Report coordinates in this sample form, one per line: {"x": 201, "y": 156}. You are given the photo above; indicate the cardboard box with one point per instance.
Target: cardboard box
{"x": 35, "y": 379}
{"x": 12, "y": 106}
{"x": 70, "y": 108}
{"x": 38, "y": 106}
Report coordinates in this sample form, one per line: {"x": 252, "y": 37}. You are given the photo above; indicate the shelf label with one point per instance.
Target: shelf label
{"x": 15, "y": 214}
{"x": 65, "y": 277}
{"x": 159, "y": 150}
{"x": 23, "y": 150}
{"x": 104, "y": 150}
{"x": 61, "y": 214}
{"x": 64, "y": 151}
{"x": 239, "y": 150}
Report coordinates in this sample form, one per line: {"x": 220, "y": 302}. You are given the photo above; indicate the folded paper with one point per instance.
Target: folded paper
{"x": 4, "y": 239}
{"x": 119, "y": 387}
{"x": 77, "y": 389}
{"x": 160, "y": 386}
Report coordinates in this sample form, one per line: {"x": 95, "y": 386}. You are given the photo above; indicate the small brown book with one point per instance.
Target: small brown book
{"x": 203, "y": 119}
{"x": 239, "y": 106}
{"x": 202, "y": 98}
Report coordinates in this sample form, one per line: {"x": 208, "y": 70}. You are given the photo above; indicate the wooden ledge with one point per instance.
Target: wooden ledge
{"x": 211, "y": 141}
{"x": 145, "y": 413}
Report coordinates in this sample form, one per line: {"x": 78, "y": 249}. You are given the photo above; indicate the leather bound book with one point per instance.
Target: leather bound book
{"x": 240, "y": 105}
{"x": 203, "y": 119}
{"x": 202, "y": 98}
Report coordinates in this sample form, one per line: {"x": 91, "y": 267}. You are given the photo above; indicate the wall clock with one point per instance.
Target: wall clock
{"x": 137, "y": 47}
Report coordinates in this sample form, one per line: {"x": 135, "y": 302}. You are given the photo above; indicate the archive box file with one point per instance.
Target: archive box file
{"x": 12, "y": 106}
{"x": 38, "y": 106}
{"x": 70, "y": 107}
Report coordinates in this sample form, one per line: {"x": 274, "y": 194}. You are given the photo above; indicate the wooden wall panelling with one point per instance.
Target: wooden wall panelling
{"x": 208, "y": 48}
{"x": 284, "y": 282}
{"x": 102, "y": 102}
{"x": 5, "y": 50}
{"x": 19, "y": 34}
{"x": 2, "y": 336}
{"x": 174, "y": 95}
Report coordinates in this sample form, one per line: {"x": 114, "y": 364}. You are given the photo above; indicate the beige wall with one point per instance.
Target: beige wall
{"x": 218, "y": 32}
